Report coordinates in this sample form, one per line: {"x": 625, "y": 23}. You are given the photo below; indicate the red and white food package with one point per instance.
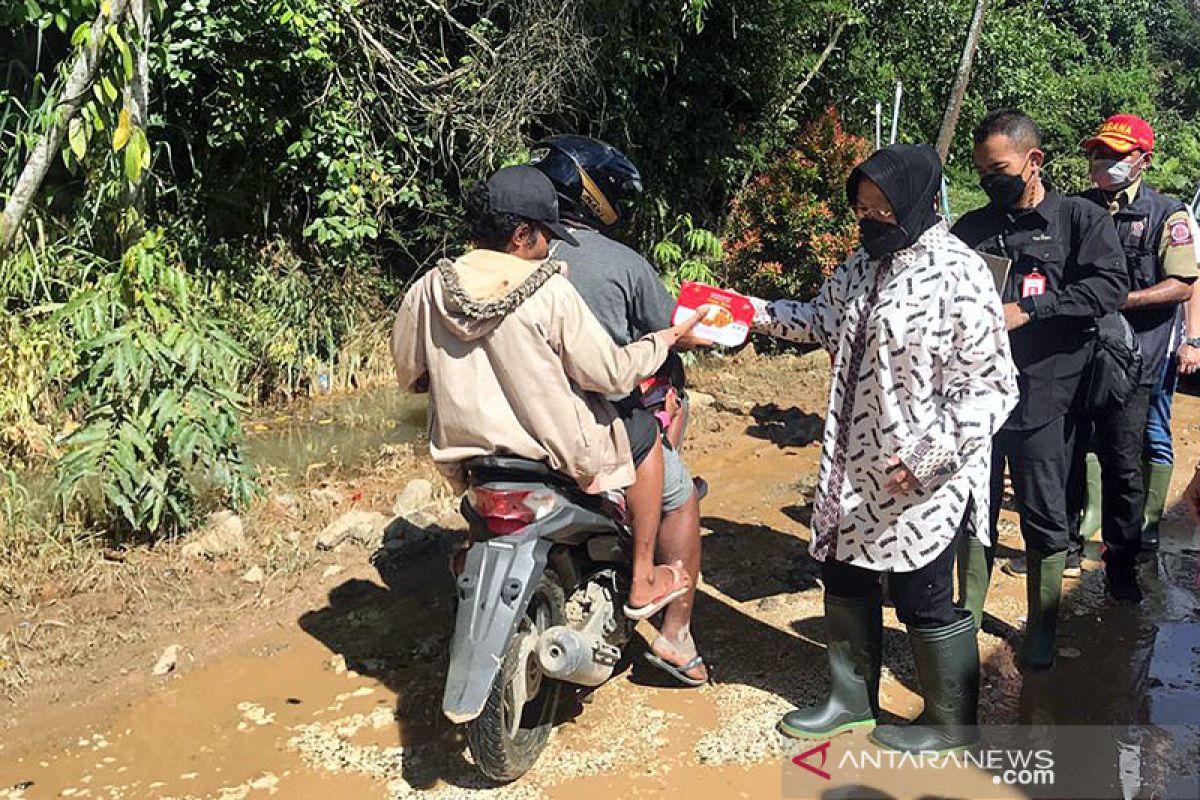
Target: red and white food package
{"x": 729, "y": 313}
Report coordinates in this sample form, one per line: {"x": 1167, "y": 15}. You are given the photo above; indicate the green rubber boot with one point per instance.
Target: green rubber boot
{"x": 1158, "y": 483}
{"x": 974, "y": 575}
{"x": 1090, "y": 524}
{"x": 947, "y": 661}
{"x": 855, "y": 647}
{"x": 1043, "y": 591}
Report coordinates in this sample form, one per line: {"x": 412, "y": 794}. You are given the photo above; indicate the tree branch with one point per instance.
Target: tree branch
{"x": 83, "y": 73}
{"x": 812, "y": 73}
{"x": 472, "y": 35}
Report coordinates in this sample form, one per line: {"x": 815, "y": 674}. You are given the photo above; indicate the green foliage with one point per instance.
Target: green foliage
{"x": 687, "y": 253}
{"x": 1174, "y": 169}
{"x": 965, "y": 193}
{"x": 306, "y": 160}
{"x": 791, "y": 226}
{"x": 299, "y": 322}
{"x": 159, "y": 413}
{"x": 13, "y": 498}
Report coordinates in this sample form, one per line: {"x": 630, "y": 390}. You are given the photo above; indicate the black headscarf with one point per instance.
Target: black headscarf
{"x": 910, "y": 176}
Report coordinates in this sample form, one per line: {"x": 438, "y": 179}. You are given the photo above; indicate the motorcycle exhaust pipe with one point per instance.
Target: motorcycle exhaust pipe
{"x": 567, "y": 656}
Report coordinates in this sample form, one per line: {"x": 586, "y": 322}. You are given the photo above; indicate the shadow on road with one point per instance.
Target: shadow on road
{"x": 398, "y": 633}
{"x": 785, "y": 427}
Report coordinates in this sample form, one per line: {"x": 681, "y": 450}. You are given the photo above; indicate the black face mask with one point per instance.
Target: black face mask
{"x": 1003, "y": 190}
{"x": 881, "y": 238}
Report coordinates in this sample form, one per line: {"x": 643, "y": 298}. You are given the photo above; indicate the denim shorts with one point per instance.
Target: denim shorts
{"x": 677, "y": 481}
{"x": 642, "y": 428}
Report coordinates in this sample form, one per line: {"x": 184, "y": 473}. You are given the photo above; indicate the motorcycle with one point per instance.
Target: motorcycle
{"x": 540, "y": 596}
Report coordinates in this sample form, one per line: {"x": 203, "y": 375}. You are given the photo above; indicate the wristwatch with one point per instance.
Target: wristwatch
{"x": 1192, "y": 341}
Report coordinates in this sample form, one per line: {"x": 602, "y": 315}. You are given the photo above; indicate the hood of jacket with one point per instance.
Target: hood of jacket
{"x": 474, "y": 293}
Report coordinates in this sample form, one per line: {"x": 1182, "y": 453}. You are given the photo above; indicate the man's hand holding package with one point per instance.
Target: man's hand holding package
{"x": 680, "y": 337}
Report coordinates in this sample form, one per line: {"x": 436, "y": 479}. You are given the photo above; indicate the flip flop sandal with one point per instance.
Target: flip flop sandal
{"x": 700, "y": 487}
{"x": 658, "y": 603}
{"x": 679, "y": 673}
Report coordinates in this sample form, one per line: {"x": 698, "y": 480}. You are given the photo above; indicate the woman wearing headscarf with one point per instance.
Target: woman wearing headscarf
{"x": 922, "y": 379}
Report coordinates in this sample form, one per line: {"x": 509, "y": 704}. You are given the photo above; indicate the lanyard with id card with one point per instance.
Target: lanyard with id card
{"x": 1033, "y": 284}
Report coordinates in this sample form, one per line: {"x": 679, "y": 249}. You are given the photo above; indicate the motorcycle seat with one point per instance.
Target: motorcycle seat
{"x": 500, "y": 467}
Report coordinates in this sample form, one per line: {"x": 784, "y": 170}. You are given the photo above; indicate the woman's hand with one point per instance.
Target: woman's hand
{"x": 901, "y": 481}
{"x": 762, "y": 317}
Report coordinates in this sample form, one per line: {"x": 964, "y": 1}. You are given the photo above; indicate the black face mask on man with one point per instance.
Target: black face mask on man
{"x": 1003, "y": 189}
{"x": 881, "y": 238}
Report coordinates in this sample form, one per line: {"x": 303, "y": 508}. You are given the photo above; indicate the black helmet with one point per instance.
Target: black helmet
{"x": 590, "y": 177}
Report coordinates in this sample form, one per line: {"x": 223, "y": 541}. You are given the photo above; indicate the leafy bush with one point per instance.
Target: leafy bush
{"x": 791, "y": 225}
{"x": 159, "y": 428}
{"x": 687, "y": 253}
{"x": 306, "y": 328}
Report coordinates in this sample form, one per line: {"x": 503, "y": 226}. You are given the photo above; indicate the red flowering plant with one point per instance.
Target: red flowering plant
{"x": 791, "y": 226}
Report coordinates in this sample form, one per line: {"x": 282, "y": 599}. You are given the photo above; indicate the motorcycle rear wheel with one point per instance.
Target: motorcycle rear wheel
{"x": 505, "y": 745}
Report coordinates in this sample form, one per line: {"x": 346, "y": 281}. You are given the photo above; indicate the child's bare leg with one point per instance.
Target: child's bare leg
{"x": 645, "y": 511}
{"x": 679, "y": 541}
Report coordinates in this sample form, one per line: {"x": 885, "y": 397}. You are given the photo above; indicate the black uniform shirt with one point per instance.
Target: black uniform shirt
{"x": 1074, "y": 245}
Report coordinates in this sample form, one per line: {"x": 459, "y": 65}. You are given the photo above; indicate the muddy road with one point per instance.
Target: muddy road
{"x": 322, "y": 679}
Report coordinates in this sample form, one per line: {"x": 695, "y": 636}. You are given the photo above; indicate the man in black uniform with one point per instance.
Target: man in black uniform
{"x": 628, "y": 298}
{"x": 1060, "y": 268}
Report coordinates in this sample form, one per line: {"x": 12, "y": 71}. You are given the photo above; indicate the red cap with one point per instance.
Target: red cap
{"x": 1123, "y": 133}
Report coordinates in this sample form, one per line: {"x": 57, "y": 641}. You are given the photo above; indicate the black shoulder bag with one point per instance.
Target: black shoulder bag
{"x": 1115, "y": 368}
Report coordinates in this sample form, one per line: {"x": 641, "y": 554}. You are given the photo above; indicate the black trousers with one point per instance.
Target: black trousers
{"x": 923, "y": 597}
{"x": 1039, "y": 463}
{"x": 1117, "y": 440}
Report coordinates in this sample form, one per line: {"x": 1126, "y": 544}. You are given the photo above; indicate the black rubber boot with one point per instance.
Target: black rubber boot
{"x": 974, "y": 575}
{"x": 1043, "y": 592}
{"x": 855, "y": 646}
{"x": 1121, "y": 580}
{"x": 947, "y": 661}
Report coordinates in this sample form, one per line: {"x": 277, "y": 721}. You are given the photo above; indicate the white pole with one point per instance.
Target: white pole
{"x": 896, "y": 111}
{"x": 878, "y": 124}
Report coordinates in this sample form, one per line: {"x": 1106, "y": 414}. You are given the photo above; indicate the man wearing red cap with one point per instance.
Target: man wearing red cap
{"x": 1156, "y": 236}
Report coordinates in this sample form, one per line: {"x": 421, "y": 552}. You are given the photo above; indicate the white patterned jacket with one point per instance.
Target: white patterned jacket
{"x": 936, "y": 382}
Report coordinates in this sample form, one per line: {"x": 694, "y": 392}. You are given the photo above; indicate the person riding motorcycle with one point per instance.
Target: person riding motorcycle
{"x": 628, "y": 298}
{"x": 487, "y": 336}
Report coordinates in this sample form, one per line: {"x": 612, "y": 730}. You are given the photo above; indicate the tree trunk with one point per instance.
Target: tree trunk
{"x": 137, "y": 93}
{"x": 83, "y": 73}
{"x": 961, "y": 79}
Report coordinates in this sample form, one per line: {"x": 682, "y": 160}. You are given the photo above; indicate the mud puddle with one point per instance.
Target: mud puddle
{"x": 339, "y": 432}
{"x": 310, "y": 439}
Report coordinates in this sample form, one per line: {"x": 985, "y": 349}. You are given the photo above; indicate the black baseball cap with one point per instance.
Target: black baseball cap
{"x": 526, "y": 192}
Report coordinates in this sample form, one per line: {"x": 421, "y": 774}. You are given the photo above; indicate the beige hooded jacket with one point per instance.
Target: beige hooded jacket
{"x": 517, "y": 364}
